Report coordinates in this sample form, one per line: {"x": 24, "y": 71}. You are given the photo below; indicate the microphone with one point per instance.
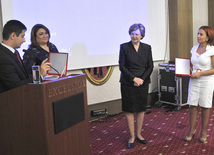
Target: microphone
{"x": 42, "y": 60}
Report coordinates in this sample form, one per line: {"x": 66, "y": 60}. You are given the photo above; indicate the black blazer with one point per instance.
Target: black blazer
{"x": 12, "y": 73}
{"x": 135, "y": 64}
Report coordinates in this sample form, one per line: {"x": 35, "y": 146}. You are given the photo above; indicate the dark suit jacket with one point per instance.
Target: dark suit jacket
{"x": 135, "y": 64}
{"x": 12, "y": 73}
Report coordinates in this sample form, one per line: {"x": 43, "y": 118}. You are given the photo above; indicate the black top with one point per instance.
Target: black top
{"x": 12, "y": 73}
{"x": 35, "y": 56}
{"x": 134, "y": 63}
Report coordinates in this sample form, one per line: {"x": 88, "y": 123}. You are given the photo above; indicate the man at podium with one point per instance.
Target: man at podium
{"x": 12, "y": 71}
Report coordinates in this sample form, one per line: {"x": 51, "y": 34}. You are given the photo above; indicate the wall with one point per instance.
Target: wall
{"x": 211, "y": 13}
{"x": 111, "y": 89}
{"x": 200, "y": 16}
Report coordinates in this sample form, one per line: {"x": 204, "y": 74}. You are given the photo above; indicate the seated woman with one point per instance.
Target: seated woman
{"x": 39, "y": 48}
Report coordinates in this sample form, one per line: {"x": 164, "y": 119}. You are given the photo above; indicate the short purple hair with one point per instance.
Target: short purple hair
{"x": 137, "y": 26}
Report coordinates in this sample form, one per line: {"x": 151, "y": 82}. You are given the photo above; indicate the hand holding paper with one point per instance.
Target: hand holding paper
{"x": 59, "y": 62}
{"x": 45, "y": 66}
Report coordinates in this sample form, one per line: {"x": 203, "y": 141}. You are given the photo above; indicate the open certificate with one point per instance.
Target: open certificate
{"x": 182, "y": 67}
{"x": 59, "y": 63}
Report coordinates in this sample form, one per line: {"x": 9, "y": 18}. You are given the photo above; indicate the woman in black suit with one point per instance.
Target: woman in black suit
{"x": 136, "y": 66}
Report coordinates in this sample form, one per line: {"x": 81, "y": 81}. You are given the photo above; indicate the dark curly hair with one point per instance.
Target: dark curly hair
{"x": 34, "y": 30}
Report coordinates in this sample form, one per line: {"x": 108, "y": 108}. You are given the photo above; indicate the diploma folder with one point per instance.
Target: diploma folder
{"x": 182, "y": 67}
{"x": 59, "y": 63}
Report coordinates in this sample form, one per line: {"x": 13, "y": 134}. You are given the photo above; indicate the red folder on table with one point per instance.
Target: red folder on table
{"x": 183, "y": 67}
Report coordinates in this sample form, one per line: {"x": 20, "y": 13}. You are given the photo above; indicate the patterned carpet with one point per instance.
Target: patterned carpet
{"x": 163, "y": 130}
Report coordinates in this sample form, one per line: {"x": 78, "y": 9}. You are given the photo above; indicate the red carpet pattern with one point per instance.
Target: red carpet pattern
{"x": 163, "y": 130}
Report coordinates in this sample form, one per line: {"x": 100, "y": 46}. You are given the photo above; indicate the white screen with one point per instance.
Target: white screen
{"x": 91, "y": 31}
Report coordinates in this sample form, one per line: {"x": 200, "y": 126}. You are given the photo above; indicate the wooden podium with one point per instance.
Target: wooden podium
{"x": 45, "y": 119}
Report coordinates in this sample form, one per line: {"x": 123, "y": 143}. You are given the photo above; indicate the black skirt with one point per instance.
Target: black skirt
{"x": 134, "y": 99}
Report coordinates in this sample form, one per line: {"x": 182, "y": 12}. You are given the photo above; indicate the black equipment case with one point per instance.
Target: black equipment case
{"x": 172, "y": 89}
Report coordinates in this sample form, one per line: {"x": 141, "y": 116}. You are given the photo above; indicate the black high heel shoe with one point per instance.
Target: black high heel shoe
{"x": 142, "y": 141}
{"x": 130, "y": 145}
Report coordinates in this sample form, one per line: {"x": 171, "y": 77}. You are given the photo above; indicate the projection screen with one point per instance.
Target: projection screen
{"x": 91, "y": 31}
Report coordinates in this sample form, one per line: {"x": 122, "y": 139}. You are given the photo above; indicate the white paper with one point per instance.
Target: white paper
{"x": 182, "y": 66}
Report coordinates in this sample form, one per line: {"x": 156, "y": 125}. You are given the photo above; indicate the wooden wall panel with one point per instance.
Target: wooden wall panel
{"x": 180, "y": 28}
{"x": 211, "y": 13}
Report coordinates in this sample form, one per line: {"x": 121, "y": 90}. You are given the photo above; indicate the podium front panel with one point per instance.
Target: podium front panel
{"x": 27, "y": 119}
{"x": 68, "y": 112}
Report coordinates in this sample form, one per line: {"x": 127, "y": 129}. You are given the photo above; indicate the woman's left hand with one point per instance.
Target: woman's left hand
{"x": 138, "y": 81}
{"x": 196, "y": 75}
